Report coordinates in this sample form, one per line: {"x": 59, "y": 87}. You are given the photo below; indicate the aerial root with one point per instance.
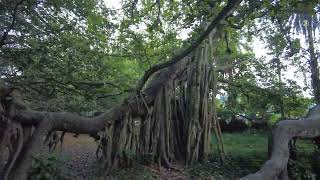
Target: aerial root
{"x": 17, "y": 148}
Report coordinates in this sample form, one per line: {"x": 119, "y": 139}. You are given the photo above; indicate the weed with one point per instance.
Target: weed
{"x": 47, "y": 167}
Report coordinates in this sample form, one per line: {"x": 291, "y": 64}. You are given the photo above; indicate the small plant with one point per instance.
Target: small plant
{"x": 300, "y": 170}
{"x": 47, "y": 167}
{"x": 137, "y": 172}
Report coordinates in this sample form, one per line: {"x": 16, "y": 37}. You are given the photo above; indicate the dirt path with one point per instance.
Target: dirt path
{"x": 79, "y": 155}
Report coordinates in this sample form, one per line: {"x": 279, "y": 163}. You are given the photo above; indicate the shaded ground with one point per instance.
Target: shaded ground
{"x": 245, "y": 153}
{"x": 78, "y": 153}
{"x": 79, "y": 156}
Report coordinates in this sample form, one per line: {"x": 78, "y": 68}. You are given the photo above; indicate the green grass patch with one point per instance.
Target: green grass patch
{"x": 137, "y": 172}
{"x": 246, "y": 144}
{"x": 245, "y": 153}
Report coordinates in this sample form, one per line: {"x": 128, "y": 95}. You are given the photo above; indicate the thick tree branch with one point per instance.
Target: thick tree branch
{"x": 227, "y": 10}
{"x": 275, "y": 168}
{"x": 63, "y": 121}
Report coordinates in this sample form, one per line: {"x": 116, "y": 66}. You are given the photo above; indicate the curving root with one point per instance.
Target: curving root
{"x": 17, "y": 149}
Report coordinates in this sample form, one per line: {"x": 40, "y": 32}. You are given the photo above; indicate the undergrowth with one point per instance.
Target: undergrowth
{"x": 245, "y": 153}
{"x": 48, "y": 167}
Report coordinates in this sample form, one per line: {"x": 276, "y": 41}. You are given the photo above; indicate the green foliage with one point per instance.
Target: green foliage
{"x": 81, "y": 55}
{"x": 246, "y": 144}
{"x": 306, "y": 166}
{"x": 246, "y": 152}
{"x": 297, "y": 106}
{"x": 136, "y": 173}
{"x": 47, "y": 167}
{"x": 60, "y": 45}
{"x": 301, "y": 170}
{"x": 274, "y": 118}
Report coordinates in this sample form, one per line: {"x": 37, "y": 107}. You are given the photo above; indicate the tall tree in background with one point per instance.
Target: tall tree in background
{"x": 307, "y": 21}
{"x": 302, "y": 17}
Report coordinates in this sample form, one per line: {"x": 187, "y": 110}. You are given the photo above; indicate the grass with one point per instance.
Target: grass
{"x": 245, "y": 153}
{"x": 137, "y": 172}
{"x": 246, "y": 144}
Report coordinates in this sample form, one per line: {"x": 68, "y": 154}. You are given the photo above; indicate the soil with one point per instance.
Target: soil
{"x": 78, "y": 153}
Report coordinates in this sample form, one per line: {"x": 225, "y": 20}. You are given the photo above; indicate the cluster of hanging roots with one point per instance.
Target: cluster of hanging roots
{"x": 12, "y": 137}
{"x": 177, "y": 126}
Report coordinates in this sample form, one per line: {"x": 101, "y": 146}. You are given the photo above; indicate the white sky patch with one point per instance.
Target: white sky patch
{"x": 259, "y": 48}
{"x": 184, "y": 34}
{"x": 113, "y": 4}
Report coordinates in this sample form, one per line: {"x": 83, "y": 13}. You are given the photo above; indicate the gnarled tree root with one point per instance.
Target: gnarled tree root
{"x": 276, "y": 167}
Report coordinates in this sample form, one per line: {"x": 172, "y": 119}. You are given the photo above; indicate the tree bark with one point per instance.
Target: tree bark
{"x": 35, "y": 146}
{"x": 276, "y": 167}
{"x": 46, "y": 122}
{"x": 315, "y": 81}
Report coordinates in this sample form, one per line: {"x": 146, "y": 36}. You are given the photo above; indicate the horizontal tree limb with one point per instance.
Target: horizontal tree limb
{"x": 70, "y": 122}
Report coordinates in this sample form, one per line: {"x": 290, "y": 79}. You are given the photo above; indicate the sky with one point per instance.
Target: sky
{"x": 114, "y": 4}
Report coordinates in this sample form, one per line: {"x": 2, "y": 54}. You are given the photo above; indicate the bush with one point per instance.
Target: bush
{"x": 47, "y": 167}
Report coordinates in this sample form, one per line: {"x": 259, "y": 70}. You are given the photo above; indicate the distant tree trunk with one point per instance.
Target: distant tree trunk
{"x": 313, "y": 63}
{"x": 279, "y": 68}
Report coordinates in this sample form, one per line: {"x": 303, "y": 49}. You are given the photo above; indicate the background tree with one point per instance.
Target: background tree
{"x": 301, "y": 17}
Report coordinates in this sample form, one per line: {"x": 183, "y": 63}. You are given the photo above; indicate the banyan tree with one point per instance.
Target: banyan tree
{"x": 170, "y": 118}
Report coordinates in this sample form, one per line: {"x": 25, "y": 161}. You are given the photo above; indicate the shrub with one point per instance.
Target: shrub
{"x": 47, "y": 167}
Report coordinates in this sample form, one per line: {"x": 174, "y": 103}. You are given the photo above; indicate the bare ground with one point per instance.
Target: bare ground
{"x": 78, "y": 153}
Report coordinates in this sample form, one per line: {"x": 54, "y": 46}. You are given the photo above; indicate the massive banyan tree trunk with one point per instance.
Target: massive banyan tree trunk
{"x": 169, "y": 121}
{"x": 175, "y": 127}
